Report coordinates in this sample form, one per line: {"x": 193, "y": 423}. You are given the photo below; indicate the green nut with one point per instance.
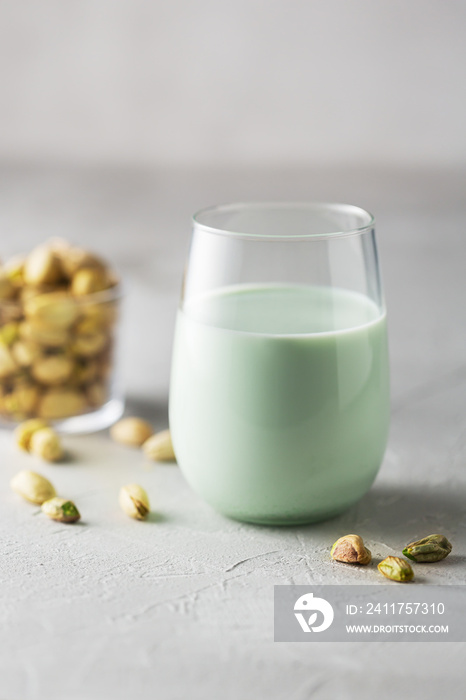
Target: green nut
{"x": 396, "y": 569}
{"x": 429, "y": 549}
{"x": 62, "y": 510}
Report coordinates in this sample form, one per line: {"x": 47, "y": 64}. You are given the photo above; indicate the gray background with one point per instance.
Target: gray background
{"x": 117, "y": 121}
{"x": 235, "y": 81}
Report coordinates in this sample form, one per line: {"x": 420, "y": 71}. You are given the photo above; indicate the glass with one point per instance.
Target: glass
{"x": 279, "y": 397}
{"x": 63, "y": 373}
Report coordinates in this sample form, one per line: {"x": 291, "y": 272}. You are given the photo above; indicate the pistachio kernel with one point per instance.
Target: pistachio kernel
{"x": 396, "y": 569}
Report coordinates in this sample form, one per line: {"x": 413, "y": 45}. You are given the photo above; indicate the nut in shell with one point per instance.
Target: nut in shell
{"x": 351, "y": 550}
{"x": 159, "y": 447}
{"x": 61, "y": 509}
{"x": 22, "y": 400}
{"x": 96, "y": 394}
{"x": 9, "y": 333}
{"x": 396, "y": 569}
{"x": 61, "y": 403}
{"x": 52, "y": 369}
{"x": 89, "y": 280}
{"x": 8, "y": 366}
{"x": 73, "y": 259}
{"x": 25, "y": 352}
{"x": 89, "y": 345}
{"x": 32, "y": 486}
{"x": 56, "y": 310}
{"x": 46, "y": 444}
{"x": 131, "y": 431}
{"x": 134, "y": 501}
{"x": 7, "y": 288}
{"x": 24, "y": 432}
{"x": 14, "y": 270}
{"x": 42, "y": 266}
{"x": 43, "y": 335}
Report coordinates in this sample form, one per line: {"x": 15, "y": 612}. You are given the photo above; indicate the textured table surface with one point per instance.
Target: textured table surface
{"x": 182, "y": 605}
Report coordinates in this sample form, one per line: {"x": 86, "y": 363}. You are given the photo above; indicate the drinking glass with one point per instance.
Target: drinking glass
{"x": 279, "y": 397}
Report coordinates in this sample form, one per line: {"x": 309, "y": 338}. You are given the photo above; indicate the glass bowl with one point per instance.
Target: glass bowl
{"x": 58, "y": 359}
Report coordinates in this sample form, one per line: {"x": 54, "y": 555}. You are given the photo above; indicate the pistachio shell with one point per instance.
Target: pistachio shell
{"x": 134, "y": 501}
{"x": 9, "y": 332}
{"x": 42, "y": 266}
{"x": 24, "y": 432}
{"x": 351, "y": 550}
{"x": 131, "y": 431}
{"x": 56, "y": 310}
{"x": 96, "y": 394}
{"x": 25, "y": 352}
{"x": 46, "y": 444}
{"x": 43, "y": 335}
{"x": 52, "y": 369}
{"x": 61, "y": 403}
{"x": 7, "y": 288}
{"x": 73, "y": 259}
{"x": 32, "y": 486}
{"x": 23, "y": 399}
{"x": 159, "y": 447}
{"x": 89, "y": 345}
{"x": 89, "y": 280}
{"x": 8, "y": 366}
{"x": 61, "y": 509}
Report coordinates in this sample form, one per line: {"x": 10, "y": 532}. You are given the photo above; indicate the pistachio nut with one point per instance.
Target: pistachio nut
{"x": 85, "y": 371}
{"x": 9, "y": 332}
{"x": 52, "y": 369}
{"x": 32, "y": 486}
{"x": 25, "y": 352}
{"x": 159, "y": 447}
{"x": 56, "y": 310}
{"x": 44, "y": 335}
{"x": 396, "y": 569}
{"x": 8, "y": 366}
{"x": 28, "y": 292}
{"x": 61, "y": 509}
{"x": 24, "y": 432}
{"x": 131, "y": 431}
{"x": 134, "y": 501}
{"x": 89, "y": 280}
{"x": 96, "y": 394}
{"x": 96, "y": 315}
{"x": 46, "y": 444}
{"x": 89, "y": 345}
{"x": 14, "y": 270}
{"x": 351, "y": 550}
{"x": 42, "y": 266}
{"x": 430, "y": 549}
{"x": 22, "y": 400}
{"x": 7, "y": 288}
{"x": 61, "y": 403}
{"x": 73, "y": 259}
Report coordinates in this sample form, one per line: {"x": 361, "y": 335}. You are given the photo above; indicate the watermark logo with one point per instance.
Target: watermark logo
{"x": 370, "y": 613}
{"x": 307, "y": 603}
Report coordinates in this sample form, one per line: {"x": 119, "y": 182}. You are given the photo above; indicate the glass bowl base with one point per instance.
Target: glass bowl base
{"x": 103, "y": 417}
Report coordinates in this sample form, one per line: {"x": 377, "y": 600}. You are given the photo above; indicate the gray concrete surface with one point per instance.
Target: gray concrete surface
{"x": 182, "y": 606}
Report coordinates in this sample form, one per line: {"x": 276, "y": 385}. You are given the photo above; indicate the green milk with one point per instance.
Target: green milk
{"x": 279, "y": 400}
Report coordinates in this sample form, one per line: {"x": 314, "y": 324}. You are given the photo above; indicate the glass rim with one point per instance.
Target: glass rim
{"x": 104, "y": 296}
{"x": 317, "y": 207}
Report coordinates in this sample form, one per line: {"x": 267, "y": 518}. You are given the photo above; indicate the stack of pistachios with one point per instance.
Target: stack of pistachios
{"x": 58, "y": 310}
